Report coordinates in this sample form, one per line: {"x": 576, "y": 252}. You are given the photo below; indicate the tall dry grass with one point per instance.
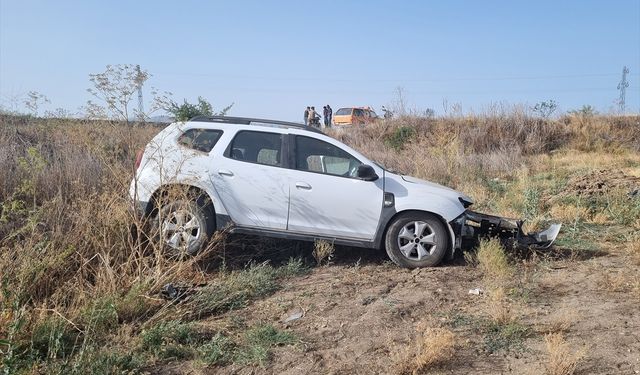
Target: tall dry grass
{"x": 451, "y": 150}
{"x": 70, "y": 272}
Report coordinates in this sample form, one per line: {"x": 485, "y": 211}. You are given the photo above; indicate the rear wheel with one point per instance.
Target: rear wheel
{"x": 416, "y": 239}
{"x": 184, "y": 226}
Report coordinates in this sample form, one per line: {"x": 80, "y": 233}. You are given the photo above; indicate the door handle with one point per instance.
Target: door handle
{"x": 225, "y": 172}
{"x": 303, "y": 185}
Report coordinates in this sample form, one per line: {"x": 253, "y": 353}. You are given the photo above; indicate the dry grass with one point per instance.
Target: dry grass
{"x": 72, "y": 274}
{"x": 493, "y": 261}
{"x": 432, "y": 347}
{"x": 561, "y": 359}
{"x": 560, "y": 321}
{"x": 570, "y": 213}
{"x": 500, "y": 309}
{"x": 634, "y": 249}
{"x": 323, "y": 252}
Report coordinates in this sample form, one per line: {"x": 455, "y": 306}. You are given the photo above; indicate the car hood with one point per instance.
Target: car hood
{"x": 412, "y": 183}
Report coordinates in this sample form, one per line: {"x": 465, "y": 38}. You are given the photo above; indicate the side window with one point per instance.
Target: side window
{"x": 358, "y": 112}
{"x": 314, "y": 155}
{"x": 200, "y": 139}
{"x": 257, "y": 147}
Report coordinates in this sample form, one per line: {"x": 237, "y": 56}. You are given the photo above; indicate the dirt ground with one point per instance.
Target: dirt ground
{"x": 361, "y": 311}
{"x": 601, "y": 181}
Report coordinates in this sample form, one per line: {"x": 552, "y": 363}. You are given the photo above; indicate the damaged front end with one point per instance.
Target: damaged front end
{"x": 472, "y": 226}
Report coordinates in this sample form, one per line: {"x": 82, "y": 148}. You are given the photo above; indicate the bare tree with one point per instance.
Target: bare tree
{"x": 116, "y": 87}
{"x": 34, "y": 101}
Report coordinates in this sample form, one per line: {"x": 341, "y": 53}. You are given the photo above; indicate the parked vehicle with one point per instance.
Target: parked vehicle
{"x": 288, "y": 180}
{"x": 354, "y": 116}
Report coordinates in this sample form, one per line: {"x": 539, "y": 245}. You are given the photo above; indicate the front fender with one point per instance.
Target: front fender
{"x": 445, "y": 207}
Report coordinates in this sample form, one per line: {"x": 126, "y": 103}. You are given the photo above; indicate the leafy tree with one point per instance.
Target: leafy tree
{"x": 186, "y": 110}
{"x": 586, "y": 111}
{"x": 545, "y": 109}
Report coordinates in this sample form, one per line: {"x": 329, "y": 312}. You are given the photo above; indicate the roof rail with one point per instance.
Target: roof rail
{"x": 249, "y": 121}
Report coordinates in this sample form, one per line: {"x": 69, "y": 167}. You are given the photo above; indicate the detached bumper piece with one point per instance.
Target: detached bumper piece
{"x": 473, "y": 226}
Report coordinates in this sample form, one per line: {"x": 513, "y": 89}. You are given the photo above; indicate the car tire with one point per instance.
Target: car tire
{"x": 416, "y": 239}
{"x": 184, "y": 226}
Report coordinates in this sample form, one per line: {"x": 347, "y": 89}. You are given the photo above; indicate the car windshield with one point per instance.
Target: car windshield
{"x": 343, "y": 111}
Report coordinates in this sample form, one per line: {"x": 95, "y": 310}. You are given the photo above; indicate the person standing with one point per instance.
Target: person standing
{"x": 314, "y": 118}
{"x": 306, "y": 116}
{"x": 329, "y": 115}
{"x": 325, "y": 114}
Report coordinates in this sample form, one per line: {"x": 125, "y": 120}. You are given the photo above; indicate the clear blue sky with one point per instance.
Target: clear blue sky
{"x": 272, "y": 58}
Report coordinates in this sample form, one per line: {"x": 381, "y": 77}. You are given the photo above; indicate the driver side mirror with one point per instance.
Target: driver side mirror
{"x": 366, "y": 173}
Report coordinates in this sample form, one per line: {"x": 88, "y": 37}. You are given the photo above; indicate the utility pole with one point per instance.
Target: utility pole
{"x": 622, "y": 86}
{"x": 139, "y": 80}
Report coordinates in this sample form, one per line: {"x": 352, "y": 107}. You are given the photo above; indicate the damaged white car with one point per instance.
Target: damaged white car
{"x": 287, "y": 180}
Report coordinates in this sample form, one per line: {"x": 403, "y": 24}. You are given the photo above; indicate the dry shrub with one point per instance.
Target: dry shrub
{"x": 323, "y": 252}
{"x": 569, "y": 213}
{"x": 561, "y": 321}
{"x": 432, "y": 347}
{"x": 633, "y": 248}
{"x": 562, "y": 360}
{"x": 500, "y": 310}
{"x": 65, "y": 225}
{"x": 493, "y": 261}
{"x": 599, "y": 218}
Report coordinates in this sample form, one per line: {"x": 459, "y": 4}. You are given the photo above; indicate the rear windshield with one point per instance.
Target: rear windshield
{"x": 200, "y": 139}
{"x": 344, "y": 111}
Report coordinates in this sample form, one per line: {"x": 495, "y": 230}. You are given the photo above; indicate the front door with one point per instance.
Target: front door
{"x": 326, "y": 196}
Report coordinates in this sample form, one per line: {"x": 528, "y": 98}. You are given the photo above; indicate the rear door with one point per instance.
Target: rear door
{"x": 326, "y": 198}
{"x": 251, "y": 181}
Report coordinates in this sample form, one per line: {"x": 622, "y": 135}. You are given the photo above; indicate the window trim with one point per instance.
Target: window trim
{"x": 181, "y": 134}
{"x": 292, "y": 157}
{"x": 284, "y": 150}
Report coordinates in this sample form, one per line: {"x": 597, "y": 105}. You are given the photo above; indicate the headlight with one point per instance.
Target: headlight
{"x": 466, "y": 202}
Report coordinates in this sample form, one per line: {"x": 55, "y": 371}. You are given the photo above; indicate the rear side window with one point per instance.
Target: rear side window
{"x": 200, "y": 139}
{"x": 358, "y": 113}
{"x": 257, "y": 147}
{"x": 344, "y": 112}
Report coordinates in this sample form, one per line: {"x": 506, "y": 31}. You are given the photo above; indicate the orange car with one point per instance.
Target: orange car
{"x": 354, "y": 116}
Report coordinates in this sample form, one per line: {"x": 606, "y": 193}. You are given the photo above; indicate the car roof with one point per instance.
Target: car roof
{"x": 367, "y": 108}
{"x": 254, "y": 121}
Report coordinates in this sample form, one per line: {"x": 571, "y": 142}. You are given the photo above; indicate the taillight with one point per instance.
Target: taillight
{"x": 139, "y": 158}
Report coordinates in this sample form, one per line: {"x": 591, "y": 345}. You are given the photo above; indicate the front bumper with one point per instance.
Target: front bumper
{"x": 471, "y": 227}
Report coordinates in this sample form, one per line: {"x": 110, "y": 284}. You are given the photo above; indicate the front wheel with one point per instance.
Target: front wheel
{"x": 184, "y": 226}
{"x": 416, "y": 239}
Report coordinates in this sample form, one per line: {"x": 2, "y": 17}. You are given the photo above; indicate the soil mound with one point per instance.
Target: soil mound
{"x": 600, "y": 182}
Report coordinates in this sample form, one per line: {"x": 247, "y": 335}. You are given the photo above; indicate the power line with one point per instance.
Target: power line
{"x": 398, "y": 79}
{"x": 622, "y": 86}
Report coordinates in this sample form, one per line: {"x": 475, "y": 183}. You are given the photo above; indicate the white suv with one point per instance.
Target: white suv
{"x": 287, "y": 180}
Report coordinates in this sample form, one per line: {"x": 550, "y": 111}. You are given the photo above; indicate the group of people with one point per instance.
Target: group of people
{"x": 312, "y": 117}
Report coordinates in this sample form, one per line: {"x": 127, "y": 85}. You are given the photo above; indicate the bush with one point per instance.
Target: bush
{"x": 400, "y": 136}
{"x": 493, "y": 261}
